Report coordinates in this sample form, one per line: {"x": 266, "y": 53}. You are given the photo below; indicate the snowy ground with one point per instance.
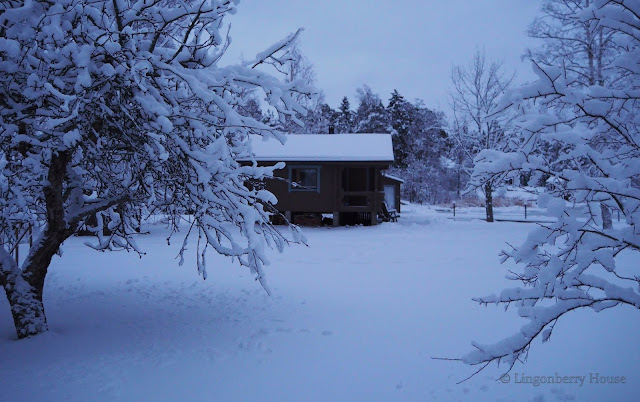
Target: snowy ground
{"x": 356, "y": 316}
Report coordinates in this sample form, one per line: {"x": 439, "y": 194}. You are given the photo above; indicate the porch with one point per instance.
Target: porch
{"x": 359, "y": 196}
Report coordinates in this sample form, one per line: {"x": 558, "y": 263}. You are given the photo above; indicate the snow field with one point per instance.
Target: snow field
{"x": 357, "y": 315}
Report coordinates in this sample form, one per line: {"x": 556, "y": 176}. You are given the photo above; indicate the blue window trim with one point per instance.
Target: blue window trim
{"x": 318, "y": 172}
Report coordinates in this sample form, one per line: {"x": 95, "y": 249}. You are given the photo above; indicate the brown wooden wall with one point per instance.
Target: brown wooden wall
{"x": 305, "y": 201}
{"x": 329, "y": 199}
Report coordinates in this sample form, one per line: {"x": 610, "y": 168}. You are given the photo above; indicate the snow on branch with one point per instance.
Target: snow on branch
{"x": 114, "y": 110}
{"x": 580, "y": 138}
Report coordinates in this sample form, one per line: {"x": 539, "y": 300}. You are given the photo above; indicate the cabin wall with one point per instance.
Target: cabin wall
{"x": 305, "y": 201}
{"x": 386, "y": 181}
{"x": 345, "y": 200}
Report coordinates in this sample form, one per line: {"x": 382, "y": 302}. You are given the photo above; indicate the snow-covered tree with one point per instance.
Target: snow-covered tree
{"x": 321, "y": 120}
{"x": 586, "y": 50}
{"x": 573, "y": 263}
{"x": 478, "y": 124}
{"x": 427, "y": 147}
{"x": 399, "y": 114}
{"x": 344, "y": 121}
{"x": 300, "y": 71}
{"x": 431, "y": 149}
{"x": 251, "y": 108}
{"x": 371, "y": 115}
{"x": 111, "y": 107}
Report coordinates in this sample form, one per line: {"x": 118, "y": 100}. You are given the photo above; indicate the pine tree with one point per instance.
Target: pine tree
{"x": 344, "y": 122}
{"x": 399, "y": 112}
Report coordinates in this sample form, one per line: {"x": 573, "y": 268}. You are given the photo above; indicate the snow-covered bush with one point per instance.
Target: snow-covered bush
{"x": 112, "y": 107}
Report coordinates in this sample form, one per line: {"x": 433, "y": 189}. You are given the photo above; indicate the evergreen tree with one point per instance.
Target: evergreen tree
{"x": 344, "y": 122}
{"x": 427, "y": 176}
{"x": 399, "y": 112}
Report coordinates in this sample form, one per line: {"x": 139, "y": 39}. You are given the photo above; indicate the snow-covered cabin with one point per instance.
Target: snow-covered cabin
{"x": 338, "y": 174}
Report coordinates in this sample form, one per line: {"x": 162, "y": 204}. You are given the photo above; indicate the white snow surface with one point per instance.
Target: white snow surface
{"x": 356, "y": 316}
{"x": 325, "y": 148}
{"x": 392, "y": 177}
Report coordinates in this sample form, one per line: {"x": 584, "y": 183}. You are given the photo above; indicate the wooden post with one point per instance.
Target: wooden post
{"x": 377, "y": 202}
{"x": 454, "y": 209}
{"x": 525, "y": 211}
{"x": 339, "y": 192}
{"x": 336, "y": 218}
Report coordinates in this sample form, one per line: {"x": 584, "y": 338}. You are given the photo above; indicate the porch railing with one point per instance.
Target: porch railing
{"x": 360, "y": 201}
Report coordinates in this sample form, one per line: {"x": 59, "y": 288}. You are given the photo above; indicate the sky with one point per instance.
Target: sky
{"x": 408, "y": 45}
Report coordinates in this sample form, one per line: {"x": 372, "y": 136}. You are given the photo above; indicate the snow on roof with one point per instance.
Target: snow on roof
{"x": 387, "y": 175}
{"x": 325, "y": 148}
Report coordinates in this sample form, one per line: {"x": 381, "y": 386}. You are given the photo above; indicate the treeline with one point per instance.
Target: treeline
{"x": 426, "y": 157}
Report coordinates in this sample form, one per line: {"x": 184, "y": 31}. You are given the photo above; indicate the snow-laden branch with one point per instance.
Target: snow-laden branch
{"x": 594, "y": 127}
{"x": 112, "y": 110}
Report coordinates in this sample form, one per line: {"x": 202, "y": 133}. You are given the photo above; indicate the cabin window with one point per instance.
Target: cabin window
{"x": 304, "y": 178}
{"x": 358, "y": 179}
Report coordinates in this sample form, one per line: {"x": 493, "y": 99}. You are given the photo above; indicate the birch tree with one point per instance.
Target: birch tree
{"x": 478, "y": 124}
{"x": 584, "y": 49}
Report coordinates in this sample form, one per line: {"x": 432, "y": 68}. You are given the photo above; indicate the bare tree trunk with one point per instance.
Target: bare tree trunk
{"x": 458, "y": 182}
{"x": 27, "y": 308}
{"x": 24, "y": 287}
{"x": 488, "y": 188}
{"x": 607, "y": 222}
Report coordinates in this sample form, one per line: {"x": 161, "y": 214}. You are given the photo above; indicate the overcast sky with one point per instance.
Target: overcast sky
{"x": 408, "y": 45}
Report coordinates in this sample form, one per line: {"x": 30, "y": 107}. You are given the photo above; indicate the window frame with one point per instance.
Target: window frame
{"x": 318, "y": 170}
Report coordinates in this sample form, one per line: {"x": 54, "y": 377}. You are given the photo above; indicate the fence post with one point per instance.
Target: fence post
{"x": 454, "y": 209}
{"x": 17, "y": 246}
{"x": 525, "y": 211}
